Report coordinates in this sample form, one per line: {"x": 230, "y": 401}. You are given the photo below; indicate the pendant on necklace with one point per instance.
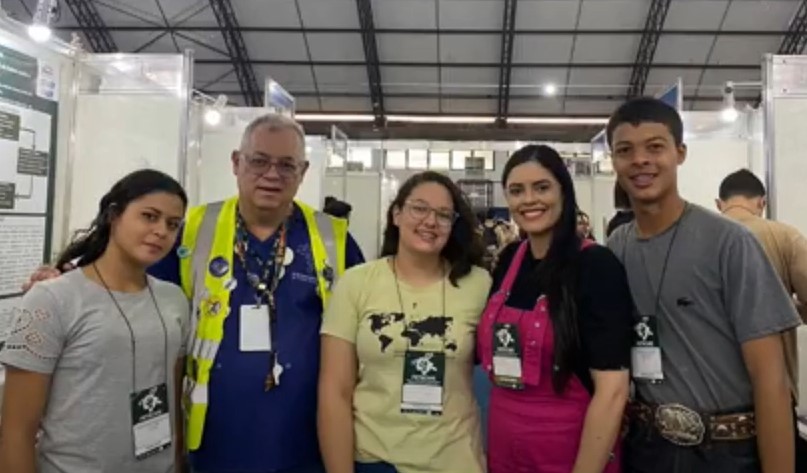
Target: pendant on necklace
{"x": 262, "y": 287}
{"x": 269, "y": 382}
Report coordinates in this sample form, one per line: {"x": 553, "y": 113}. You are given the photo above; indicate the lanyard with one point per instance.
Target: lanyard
{"x": 657, "y": 297}
{"x": 400, "y": 301}
{"x": 131, "y": 331}
{"x": 265, "y": 283}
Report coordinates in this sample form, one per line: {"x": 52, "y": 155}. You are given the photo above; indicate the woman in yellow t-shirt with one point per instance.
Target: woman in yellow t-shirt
{"x": 395, "y": 387}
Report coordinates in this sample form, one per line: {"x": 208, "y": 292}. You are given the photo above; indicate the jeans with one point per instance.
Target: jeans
{"x": 375, "y": 468}
{"x": 647, "y": 452}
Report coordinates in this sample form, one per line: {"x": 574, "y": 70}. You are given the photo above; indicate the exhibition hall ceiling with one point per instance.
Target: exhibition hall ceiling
{"x": 451, "y": 57}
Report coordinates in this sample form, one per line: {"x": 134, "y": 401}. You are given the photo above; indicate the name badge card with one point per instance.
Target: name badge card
{"x": 151, "y": 421}
{"x": 256, "y": 330}
{"x": 423, "y": 381}
{"x": 507, "y": 357}
{"x": 646, "y": 351}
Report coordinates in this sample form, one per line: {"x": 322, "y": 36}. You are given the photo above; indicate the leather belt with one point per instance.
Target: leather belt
{"x": 686, "y": 427}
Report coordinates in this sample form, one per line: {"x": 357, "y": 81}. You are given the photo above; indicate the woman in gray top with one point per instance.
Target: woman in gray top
{"x": 93, "y": 357}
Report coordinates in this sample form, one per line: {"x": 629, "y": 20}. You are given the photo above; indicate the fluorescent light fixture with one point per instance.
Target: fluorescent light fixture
{"x": 332, "y": 117}
{"x": 550, "y": 89}
{"x": 39, "y": 30}
{"x": 557, "y": 121}
{"x": 440, "y": 119}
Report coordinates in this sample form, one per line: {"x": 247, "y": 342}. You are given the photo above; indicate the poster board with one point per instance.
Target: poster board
{"x": 29, "y": 107}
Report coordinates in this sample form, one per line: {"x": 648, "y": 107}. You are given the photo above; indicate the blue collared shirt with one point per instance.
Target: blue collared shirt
{"x": 248, "y": 430}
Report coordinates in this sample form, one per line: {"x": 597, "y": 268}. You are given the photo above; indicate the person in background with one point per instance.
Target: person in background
{"x": 742, "y": 199}
{"x": 712, "y": 390}
{"x": 337, "y": 208}
{"x": 94, "y": 356}
{"x": 398, "y": 343}
{"x": 624, "y": 214}
{"x": 584, "y": 226}
{"x": 258, "y": 269}
{"x": 555, "y": 335}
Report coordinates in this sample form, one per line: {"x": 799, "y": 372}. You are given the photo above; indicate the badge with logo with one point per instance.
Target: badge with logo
{"x": 507, "y": 357}
{"x": 183, "y": 252}
{"x": 423, "y": 381}
{"x": 218, "y": 266}
{"x": 151, "y": 421}
{"x": 646, "y": 351}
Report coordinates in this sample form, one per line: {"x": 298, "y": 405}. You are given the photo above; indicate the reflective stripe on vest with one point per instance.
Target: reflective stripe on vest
{"x": 209, "y": 234}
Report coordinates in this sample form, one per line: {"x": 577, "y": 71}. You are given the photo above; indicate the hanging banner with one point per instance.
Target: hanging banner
{"x": 278, "y": 99}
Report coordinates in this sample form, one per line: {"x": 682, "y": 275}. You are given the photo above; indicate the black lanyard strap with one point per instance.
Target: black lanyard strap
{"x": 131, "y": 331}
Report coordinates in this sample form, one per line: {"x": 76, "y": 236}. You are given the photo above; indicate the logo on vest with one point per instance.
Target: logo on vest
{"x": 183, "y": 252}
{"x": 218, "y": 266}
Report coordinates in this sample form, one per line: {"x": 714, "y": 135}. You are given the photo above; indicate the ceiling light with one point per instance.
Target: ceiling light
{"x": 213, "y": 117}
{"x": 729, "y": 114}
{"x": 557, "y": 121}
{"x": 40, "y": 30}
{"x": 332, "y": 117}
{"x": 440, "y": 119}
{"x": 550, "y": 89}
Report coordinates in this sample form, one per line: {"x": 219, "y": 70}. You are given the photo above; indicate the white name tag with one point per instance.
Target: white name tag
{"x": 646, "y": 363}
{"x": 507, "y": 366}
{"x": 256, "y": 330}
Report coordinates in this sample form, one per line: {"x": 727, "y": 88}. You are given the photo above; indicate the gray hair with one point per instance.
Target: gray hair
{"x": 273, "y": 122}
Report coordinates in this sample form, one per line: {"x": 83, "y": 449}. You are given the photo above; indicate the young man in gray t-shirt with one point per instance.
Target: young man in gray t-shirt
{"x": 711, "y": 384}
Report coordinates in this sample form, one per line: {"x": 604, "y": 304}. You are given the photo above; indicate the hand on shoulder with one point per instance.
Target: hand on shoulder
{"x": 45, "y": 272}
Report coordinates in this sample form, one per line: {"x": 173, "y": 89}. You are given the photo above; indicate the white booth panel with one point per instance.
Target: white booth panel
{"x": 602, "y": 203}
{"x": 583, "y": 193}
{"x": 708, "y": 163}
{"x": 364, "y": 196}
{"x": 114, "y": 136}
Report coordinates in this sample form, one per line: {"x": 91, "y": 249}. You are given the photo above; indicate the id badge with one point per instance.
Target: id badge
{"x": 256, "y": 329}
{"x": 151, "y": 421}
{"x": 423, "y": 381}
{"x": 507, "y": 357}
{"x": 646, "y": 351}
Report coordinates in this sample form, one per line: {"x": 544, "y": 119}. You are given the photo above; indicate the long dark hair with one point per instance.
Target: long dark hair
{"x": 463, "y": 249}
{"x": 558, "y": 272}
{"x": 88, "y": 245}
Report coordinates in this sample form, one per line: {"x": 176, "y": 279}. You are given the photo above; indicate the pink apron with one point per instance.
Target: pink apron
{"x": 533, "y": 430}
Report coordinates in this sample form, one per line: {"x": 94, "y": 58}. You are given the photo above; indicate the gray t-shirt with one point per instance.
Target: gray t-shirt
{"x": 719, "y": 292}
{"x": 70, "y": 328}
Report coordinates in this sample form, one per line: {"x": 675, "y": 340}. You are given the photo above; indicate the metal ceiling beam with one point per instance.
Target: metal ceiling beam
{"x": 237, "y": 49}
{"x": 488, "y": 65}
{"x": 93, "y": 27}
{"x": 653, "y": 25}
{"x": 796, "y": 36}
{"x": 506, "y": 61}
{"x": 365, "y": 10}
{"x": 448, "y": 32}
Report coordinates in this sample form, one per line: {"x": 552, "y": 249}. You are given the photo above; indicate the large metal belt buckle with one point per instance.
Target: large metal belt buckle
{"x": 680, "y": 425}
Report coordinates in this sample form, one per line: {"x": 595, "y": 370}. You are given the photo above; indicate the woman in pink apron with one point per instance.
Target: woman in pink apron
{"x": 555, "y": 336}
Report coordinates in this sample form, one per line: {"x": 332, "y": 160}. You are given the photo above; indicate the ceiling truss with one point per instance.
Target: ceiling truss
{"x": 654, "y": 24}
{"x": 93, "y": 27}
{"x": 365, "y": 10}
{"x": 506, "y": 60}
{"x": 239, "y": 57}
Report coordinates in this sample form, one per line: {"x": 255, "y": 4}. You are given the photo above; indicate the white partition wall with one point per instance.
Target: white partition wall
{"x": 785, "y": 79}
{"x": 131, "y": 113}
{"x": 364, "y": 195}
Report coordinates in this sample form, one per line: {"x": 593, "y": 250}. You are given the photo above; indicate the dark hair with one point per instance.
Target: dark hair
{"x": 336, "y": 207}
{"x": 741, "y": 183}
{"x": 463, "y": 249}
{"x": 88, "y": 245}
{"x": 647, "y": 110}
{"x": 621, "y": 199}
{"x": 558, "y": 272}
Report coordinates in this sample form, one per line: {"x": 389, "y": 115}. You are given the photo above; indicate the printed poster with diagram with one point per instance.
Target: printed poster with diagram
{"x": 28, "y": 113}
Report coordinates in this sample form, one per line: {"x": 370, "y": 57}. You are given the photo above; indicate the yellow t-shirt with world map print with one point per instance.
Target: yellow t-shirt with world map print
{"x": 365, "y": 310}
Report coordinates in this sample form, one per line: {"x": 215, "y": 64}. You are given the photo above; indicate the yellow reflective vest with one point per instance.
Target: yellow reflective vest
{"x": 208, "y": 235}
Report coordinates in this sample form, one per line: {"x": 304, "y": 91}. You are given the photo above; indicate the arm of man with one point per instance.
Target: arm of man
{"x": 338, "y": 375}
{"x": 30, "y": 358}
{"x": 797, "y": 267}
{"x": 760, "y": 310}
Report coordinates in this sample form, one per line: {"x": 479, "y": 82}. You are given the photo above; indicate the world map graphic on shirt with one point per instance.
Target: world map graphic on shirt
{"x": 383, "y": 325}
